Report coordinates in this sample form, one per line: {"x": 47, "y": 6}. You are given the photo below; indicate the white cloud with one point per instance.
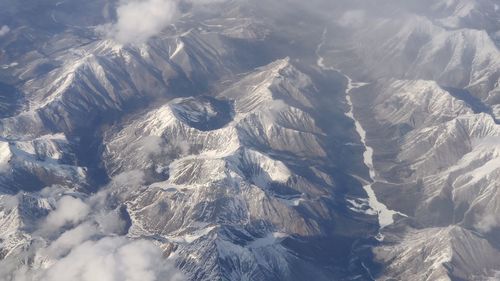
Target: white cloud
{"x": 69, "y": 210}
{"x": 488, "y": 222}
{"x": 152, "y": 145}
{"x": 110, "y": 222}
{"x": 107, "y": 259}
{"x": 112, "y": 259}
{"x": 4, "y": 30}
{"x": 70, "y": 239}
{"x": 139, "y": 20}
{"x": 128, "y": 180}
{"x": 276, "y": 107}
{"x": 93, "y": 249}
{"x": 352, "y": 18}
{"x": 205, "y": 2}
{"x": 9, "y": 202}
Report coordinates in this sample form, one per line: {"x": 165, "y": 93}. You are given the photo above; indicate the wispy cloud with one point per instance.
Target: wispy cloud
{"x": 352, "y": 18}
{"x": 4, "y": 30}
{"x": 487, "y": 222}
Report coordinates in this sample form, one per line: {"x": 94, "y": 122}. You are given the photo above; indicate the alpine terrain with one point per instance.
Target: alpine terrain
{"x": 168, "y": 140}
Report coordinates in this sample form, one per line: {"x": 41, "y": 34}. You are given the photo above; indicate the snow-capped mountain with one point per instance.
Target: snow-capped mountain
{"x": 231, "y": 140}
{"x": 217, "y": 164}
{"x": 431, "y": 116}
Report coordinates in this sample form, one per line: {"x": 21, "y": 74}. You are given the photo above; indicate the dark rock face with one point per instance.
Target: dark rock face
{"x": 204, "y": 113}
{"x": 10, "y": 101}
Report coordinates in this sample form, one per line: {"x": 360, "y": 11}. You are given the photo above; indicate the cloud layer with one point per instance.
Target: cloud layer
{"x": 106, "y": 259}
{"x": 81, "y": 239}
{"x": 112, "y": 259}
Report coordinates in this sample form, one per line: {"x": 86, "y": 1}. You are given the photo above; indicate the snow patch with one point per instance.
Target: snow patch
{"x": 5, "y": 156}
{"x": 178, "y": 49}
{"x": 362, "y": 206}
{"x": 193, "y": 236}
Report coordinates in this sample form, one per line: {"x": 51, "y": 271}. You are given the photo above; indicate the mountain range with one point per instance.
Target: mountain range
{"x": 232, "y": 140}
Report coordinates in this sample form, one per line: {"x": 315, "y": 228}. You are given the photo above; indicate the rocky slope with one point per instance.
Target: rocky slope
{"x": 228, "y": 191}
